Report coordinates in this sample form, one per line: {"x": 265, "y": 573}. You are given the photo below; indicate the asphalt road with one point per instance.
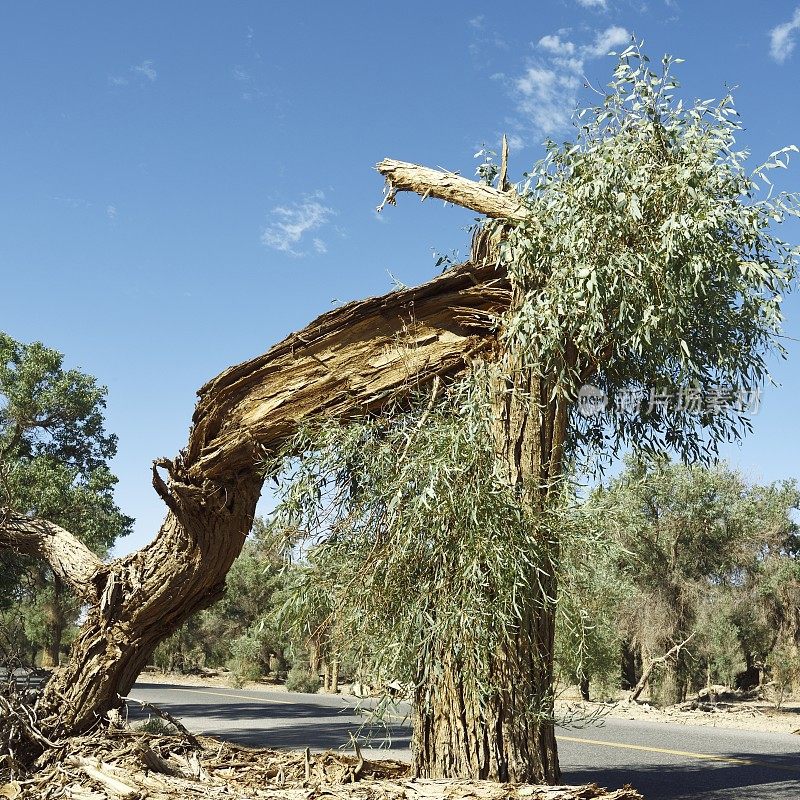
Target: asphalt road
{"x": 663, "y": 761}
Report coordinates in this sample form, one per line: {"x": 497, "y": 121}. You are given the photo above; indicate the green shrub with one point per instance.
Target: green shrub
{"x": 300, "y": 679}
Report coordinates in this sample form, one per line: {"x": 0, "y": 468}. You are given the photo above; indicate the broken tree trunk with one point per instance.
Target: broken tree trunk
{"x": 452, "y": 188}
{"x": 348, "y": 361}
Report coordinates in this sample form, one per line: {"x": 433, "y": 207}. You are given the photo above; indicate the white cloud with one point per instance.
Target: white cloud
{"x": 111, "y": 211}
{"x": 547, "y": 92}
{"x": 290, "y": 223}
{"x": 782, "y": 38}
{"x": 543, "y": 93}
{"x": 241, "y": 75}
{"x": 605, "y": 40}
{"x": 72, "y": 202}
{"x": 146, "y": 69}
{"x": 477, "y": 22}
{"x": 116, "y": 80}
{"x": 554, "y": 44}
{"x": 601, "y": 4}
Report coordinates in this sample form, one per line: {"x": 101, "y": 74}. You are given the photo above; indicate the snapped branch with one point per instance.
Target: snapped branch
{"x": 68, "y": 557}
{"x": 673, "y": 652}
{"x": 404, "y": 177}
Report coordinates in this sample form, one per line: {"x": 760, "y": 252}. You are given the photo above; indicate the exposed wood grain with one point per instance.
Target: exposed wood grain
{"x": 426, "y": 182}
{"x": 350, "y": 360}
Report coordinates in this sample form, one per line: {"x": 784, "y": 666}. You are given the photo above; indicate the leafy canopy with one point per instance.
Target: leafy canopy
{"x": 649, "y": 262}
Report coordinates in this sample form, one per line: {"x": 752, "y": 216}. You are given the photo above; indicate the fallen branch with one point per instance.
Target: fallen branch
{"x": 165, "y": 715}
{"x": 131, "y": 765}
{"x": 671, "y": 653}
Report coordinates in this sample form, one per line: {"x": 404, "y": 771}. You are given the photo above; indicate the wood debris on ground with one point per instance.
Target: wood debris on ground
{"x": 134, "y": 765}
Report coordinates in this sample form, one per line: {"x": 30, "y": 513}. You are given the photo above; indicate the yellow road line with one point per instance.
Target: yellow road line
{"x": 746, "y": 762}
{"x": 235, "y": 696}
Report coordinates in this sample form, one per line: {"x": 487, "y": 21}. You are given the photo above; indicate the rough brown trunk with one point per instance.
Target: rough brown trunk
{"x": 146, "y": 596}
{"x": 334, "y": 685}
{"x": 672, "y": 684}
{"x": 55, "y": 623}
{"x": 510, "y": 735}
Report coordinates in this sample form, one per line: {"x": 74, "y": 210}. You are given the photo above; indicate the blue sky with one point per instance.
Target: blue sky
{"x": 184, "y": 183}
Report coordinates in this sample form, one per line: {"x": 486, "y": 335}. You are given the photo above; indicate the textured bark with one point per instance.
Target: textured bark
{"x": 348, "y": 361}
{"x": 55, "y": 623}
{"x": 511, "y": 736}
{"x": 452, "y": 188}
{"x": 68, "y": 557}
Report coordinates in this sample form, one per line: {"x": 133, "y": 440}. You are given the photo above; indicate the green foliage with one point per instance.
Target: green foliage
{"x": 649, "y": 263}
{"x": 54, "y": 454}
{"x": 300, "y": 679}
{"x": 419, "y": 547}
{"x": 784, "y": 667}
{"x": 156, "y": 726}
{"x": 702, "y": 551}
{"x": 592, "y": 590}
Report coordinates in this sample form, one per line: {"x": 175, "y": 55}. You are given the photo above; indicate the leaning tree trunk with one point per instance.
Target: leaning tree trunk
{"x": 509, "y": 736}
{"x": 348, "y": 361}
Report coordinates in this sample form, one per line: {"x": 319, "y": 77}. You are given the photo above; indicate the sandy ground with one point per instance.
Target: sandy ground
{"x": 758, "y": 715}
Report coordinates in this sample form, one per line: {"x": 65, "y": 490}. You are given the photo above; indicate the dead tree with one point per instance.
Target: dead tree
{"x": 348, "y": 361}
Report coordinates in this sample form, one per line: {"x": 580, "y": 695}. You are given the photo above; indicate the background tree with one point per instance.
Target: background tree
{"x": 594, "y": 591}
{"x": 698, "y": 546}
{"x": 242, "y": 632}
{"x": 54, "y": 455}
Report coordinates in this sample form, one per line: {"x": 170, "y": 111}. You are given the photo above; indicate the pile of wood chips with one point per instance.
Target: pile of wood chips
{"x": 135, "y": 765}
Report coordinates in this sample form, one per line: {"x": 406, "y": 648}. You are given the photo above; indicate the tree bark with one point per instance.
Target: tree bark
{"x": 55, "y": 623}
{"x": 452, "y": 188}
{"x": 348, "y": 361}
{"x": 334, "y": 685}
{"x": 68, "y": 557}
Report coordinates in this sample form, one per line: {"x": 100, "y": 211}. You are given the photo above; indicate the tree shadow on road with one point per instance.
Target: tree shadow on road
{"x": 778, "y": 778}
